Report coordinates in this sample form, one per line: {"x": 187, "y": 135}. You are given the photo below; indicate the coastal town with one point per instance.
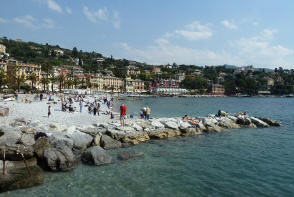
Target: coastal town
{"x": 31, "y": 67}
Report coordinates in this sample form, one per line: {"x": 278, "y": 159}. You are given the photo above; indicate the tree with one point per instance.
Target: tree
{"x": 76, "y": 82}
{"x": 2, "y": 78}
{"x": 33, "y": 78}
{"x": 53, "y": 80}
{"x": 75, "y": 52}
{"x": 60, "y": 79}
{"x": 45, "y": 82}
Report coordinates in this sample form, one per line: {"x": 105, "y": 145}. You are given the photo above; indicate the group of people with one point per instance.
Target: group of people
{"x": 145, "y": 113}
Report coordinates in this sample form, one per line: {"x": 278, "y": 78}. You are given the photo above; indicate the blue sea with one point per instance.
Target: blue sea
{"x": 236, "y": 162}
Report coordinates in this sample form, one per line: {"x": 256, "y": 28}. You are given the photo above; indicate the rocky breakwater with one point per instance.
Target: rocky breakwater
{"x": 57, "y": 147}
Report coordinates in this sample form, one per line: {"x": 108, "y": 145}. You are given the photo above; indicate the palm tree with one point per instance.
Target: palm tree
{"x": 76, "y": 82}
{"x": 45, "y": 82}
{"x": 33, "y": 78}
{"x": 60, "y": 79}
{"x": 53, "y": 80}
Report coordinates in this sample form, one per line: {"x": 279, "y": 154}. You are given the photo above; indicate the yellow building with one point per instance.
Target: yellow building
{"x": 19, "y": 69}
{"x": 97, "y": 82}
{"x": 218, "y": 89}
{"x": 113, "y": 83}
{"x": 134, "y": 85}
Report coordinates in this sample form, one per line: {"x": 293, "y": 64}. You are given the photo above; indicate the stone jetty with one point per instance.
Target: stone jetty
{"x": 57, "y": 147}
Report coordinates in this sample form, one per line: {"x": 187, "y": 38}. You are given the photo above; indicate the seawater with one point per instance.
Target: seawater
{"x": 236, "y": 162}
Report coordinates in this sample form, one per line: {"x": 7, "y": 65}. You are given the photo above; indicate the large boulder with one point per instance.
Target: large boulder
{"x": 270, "y": 121}
{"x": 156, "y": 124}
{"x": 171, "y": 125}
{"x": 80, "y": 140}
{"x": 109, "y": 143}
{"x": 135, "y": 138}
{"x": 244, "y": 120}
{"x": 60, "y": 140}
{"x": 27, "y": 139}
{"x": 10, "y": 136}
{"x": 4, "y": 111}
{"x": 15, "y": 152}
{"x": 59, "y": 159}
{"x": 258, "y": 122}
{"x": 97, "y": 139}
{"x": 126, "y": 155}
{"x": 41, "y": 144}
{"x": 96, "y": 156}
{"x": 17, "y": 176}
{"x": 93, "y": 131}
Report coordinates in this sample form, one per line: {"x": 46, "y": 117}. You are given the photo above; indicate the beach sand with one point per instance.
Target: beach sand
{"x": 38, "y": 110}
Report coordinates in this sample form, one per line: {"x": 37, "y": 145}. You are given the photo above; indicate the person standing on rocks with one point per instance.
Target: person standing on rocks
{"x": 148, "y": 112}
{"x": 123, "y": 111}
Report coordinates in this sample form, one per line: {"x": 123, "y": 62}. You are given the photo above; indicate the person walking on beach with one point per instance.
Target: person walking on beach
{"x": 98, "y": 108}
{"x": 81, "y": 106}
{"x": 148, "y": 112}
{"x": 49, "y": 111}
{"x": 41, "y": 97}
{"x": 95, "y": 109}
{"x": 123, "y": 111}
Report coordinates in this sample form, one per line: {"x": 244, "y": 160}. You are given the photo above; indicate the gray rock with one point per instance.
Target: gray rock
{"x": 80, "y": 140}
{"x": 156, "y": 124}
{"x": 258, "y": 122}
{"x": 41, "y": 144}
{"x": 171, "y": 125}
{"x": 10, "y": 137}
{"x": 96, "y": 156}
{"x": 12, "y": 153}
{"x": 97, "y": 139}
{"x": 59, "y": 159}
{"x": 137, "y": 127}
{"x": 184, "y": 125}
{"x": 27, "y": 139}
{"x": 126, "y": 155}
{"x": 270, "y": 122}
{"x": 17, "y": 176}
{"x": 60, "y": 140}
{"x": 93, "y": 131}
{"x": 109, "y": 143}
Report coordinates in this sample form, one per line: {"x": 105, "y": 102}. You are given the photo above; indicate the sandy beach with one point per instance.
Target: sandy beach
{"x": 37, "y": 110}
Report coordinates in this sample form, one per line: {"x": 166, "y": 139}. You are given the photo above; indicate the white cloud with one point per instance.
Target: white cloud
{"x": 229, "y": 24}
{"x": 163, "y": 52}
{"x": 54, "y": 6}
{"x": 116, "y": 20}
{"x": 68, "y": 10}
{"x": 259, "y": 49}
{"x": 95, "y": 16}
{"x": 255, "y": 23}
{"x": 48, "y": 23}
{"x": 193, "y": 31}
{"x": 194, "y": 35}
{"x": 256, "y": 50}
{"x": 33, "y": 23}
{"x": 26, "y": 20}
{"x": 2, "y": 20}
{"x": 102, "y": 14}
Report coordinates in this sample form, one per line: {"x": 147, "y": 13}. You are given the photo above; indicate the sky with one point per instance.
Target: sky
{"x": 197, "y": 32}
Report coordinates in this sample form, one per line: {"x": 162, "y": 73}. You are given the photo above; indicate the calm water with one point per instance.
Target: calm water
{"x": 239, "y": 162}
